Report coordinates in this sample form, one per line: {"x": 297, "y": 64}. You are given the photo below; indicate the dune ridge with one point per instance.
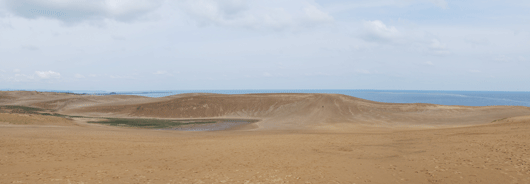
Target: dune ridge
{"x": 276, "y": 111}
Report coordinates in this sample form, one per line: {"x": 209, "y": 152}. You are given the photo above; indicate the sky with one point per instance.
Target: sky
{"x": 139, "y": 45}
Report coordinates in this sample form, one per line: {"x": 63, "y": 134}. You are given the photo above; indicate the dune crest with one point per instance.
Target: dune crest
{"x": 285, "y": 111}
{"x": 276, "y": 111}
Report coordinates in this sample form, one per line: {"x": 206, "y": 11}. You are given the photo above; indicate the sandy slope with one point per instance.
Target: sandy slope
{"x": 33, "y": 119}
{"x": 302, "y": 138}
{"x": 303, "y": 111}
{"x": 493, "y": 153}
{"x": 277, "y": 111}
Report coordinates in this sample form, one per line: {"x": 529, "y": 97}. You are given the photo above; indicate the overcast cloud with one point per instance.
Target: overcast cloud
{"x": 264, "y": 44}
{"x": 74, "y": 11}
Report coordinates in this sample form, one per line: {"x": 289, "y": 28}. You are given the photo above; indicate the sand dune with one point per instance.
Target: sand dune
{"x": 300, "y": 138}
{"x": 276, "y": 111}
{"x": 32, "y": 119}
{"x": 295, "y": 111}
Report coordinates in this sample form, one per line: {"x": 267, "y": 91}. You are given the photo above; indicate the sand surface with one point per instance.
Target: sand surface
{"x": 296, "y": 141}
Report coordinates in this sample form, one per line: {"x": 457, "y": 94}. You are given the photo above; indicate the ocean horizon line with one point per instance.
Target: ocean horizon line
{"x": 440, "y": 97}
{"x": 206, "y": 90}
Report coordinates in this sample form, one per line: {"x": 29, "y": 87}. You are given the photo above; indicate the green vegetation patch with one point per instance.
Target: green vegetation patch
{"x": 60, "y": 115}
{"x": 124, "y": 122}
{"x": 147, "y": 123}
{"x": 18, "y": 109}
{"x": 22, "y": 109}
{"x": 498, "y": 120}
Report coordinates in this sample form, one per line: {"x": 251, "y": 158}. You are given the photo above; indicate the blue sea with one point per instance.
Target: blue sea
{"x": 467, "y": 98}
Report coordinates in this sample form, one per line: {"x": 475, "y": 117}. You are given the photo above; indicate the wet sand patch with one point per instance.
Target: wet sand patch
{"x": 218, "y": 125}
{"x": 179, "y": 124}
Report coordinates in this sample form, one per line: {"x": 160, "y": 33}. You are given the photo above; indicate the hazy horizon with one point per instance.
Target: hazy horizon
{"x": 204, "y": 90}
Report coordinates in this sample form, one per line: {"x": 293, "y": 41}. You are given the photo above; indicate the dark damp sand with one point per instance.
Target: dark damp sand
{"x": 223, "y": 125}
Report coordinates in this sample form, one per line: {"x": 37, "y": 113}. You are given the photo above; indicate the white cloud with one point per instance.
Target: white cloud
{"x": 119, "y": 38}
{"x": 16, "y": 70}
{"x": 48, "y": 74}
{"x": 79, "y": 76}
{"x": 502, "y": 58}
{"x": 160, "y": 72}
{"x": 278, "y": 15}
{"x": 216, "y": 12}
{"x": 474, "y": 71}
{"x": 440, "y": 3}
{"x": 477, "y": 41}
{"x": 5, "y": 23}
{"x": 255, "y": 14}
{"x": 438, "y": 48}
{"x": 266, "y": 74}
{"x": 363, "y": 71}
{"x": 318, "y": 74}
{"x": 163, "y": 72}
{"x": 71, "y": 11}
{"x": 21, "y": 78}
{"x": 121, "y": 77}
{"x": 315, "y": 15}
{"x": 30, "y": 47}
{"x": 377, "y": 31}
{"x": 435, "y": 44}
{"x": 429, "y": 63}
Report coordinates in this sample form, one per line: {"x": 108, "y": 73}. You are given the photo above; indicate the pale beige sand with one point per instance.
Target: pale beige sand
{"x": 377, "y": 143}
{"x": 496, "y": 153}
{"x": 33, "y": 119}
